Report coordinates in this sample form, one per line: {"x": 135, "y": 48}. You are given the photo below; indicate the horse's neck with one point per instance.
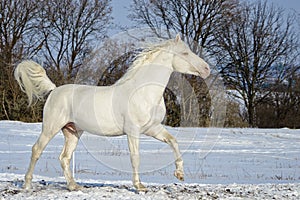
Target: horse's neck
{"x": 157, "y": 70}
{"x": 154, "y": 74}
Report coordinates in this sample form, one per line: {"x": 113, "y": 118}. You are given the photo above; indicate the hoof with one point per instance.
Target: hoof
{"x": 74, "y": 187}
{"x": 27, "y": 186}
{"x": 140, "y": 187}
{"x": 179, "y": 175}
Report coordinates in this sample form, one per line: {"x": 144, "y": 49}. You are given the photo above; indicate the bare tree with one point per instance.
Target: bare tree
{"x": 282, "y": 107}
{"x": 17, "y": 40}
{"x": 195, "y": 20}
{"x": 250, "y": 45}
{"x": 70, "y": 29}
{"x": 59, "y": 34}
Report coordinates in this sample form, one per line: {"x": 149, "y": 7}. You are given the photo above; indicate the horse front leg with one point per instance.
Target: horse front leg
{"x": 133, "y": 143}
{"x": 161, "y": 134}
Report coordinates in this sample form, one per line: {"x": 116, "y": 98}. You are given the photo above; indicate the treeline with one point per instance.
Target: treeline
{"x": 57, "y": 34}
{"x": 254, "y": 45}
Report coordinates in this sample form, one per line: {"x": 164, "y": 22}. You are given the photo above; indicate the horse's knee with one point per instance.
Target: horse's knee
{"x": 169, "y": 139}
{"x": 36, "y": 151}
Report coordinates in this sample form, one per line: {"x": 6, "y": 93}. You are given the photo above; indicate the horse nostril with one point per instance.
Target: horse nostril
{"x": 207, "y": 69}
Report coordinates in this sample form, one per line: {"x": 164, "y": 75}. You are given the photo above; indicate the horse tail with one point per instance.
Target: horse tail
{"x": 33, "y": 80}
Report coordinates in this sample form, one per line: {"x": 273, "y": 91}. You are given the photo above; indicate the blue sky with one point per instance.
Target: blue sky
{"x": 121, "y": 7}
{"x": 289, "y": 5}
{"x": 121, "y": 11}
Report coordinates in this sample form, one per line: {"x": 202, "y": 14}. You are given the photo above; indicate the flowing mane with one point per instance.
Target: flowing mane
{"x": 143, "y": 58}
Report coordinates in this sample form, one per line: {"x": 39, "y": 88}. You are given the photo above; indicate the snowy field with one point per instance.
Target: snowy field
{"x": 218, "y": 163}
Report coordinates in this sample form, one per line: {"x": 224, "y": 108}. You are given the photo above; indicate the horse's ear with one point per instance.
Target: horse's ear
{"x": 177, "y": 39}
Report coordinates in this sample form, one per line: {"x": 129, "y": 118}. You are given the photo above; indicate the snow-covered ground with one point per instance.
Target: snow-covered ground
{"x": 219, "y": 163}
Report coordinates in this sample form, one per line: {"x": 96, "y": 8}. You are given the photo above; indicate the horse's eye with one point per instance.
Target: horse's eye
{"x": 185, "y": 53}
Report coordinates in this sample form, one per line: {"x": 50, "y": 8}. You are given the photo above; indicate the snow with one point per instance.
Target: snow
{"x": 230, "y": 163}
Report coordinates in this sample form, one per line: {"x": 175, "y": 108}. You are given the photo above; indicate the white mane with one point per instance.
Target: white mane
{"x": 143, "y": 58}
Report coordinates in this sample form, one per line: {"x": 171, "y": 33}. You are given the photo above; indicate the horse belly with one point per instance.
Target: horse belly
{"x": 98, "y": 127}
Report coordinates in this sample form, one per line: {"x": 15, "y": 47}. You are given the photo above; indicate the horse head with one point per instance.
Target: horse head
{"x": 185, "y": 61}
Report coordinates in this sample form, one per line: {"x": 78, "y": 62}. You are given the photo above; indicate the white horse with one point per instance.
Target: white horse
{"x": 134, "y": 105}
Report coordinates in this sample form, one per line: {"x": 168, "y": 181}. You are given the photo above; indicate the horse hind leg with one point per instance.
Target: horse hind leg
{"x": 71, "y": 140}
{"x": 37, "y": 150}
